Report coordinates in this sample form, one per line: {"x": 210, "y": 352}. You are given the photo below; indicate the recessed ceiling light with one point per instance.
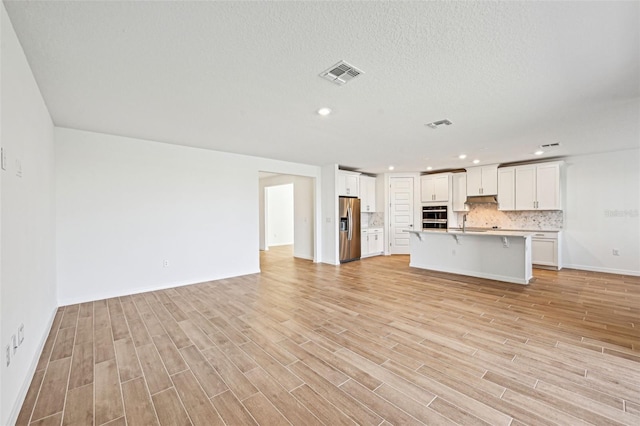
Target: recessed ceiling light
{"x": 462, "y": 156}
{"x": 391, "y": 167}
{"x": 324, "y": 111}
{"x": 539, "y": 152}
{"x": 429, "y": 168}
{"x": 476, "y": 161}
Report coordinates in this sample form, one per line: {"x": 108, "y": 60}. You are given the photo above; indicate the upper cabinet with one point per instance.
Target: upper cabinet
{"x": 367, "y": 194}
{"x": 507, "y": 188}
{"x": 482, "y": 180}
{"x": 538, "y": 187}
{"x": 435, "y": 187}
{"x": 530, "y": 187}
{"x": 348, "y": 183}
{"x": 459, "y": 190}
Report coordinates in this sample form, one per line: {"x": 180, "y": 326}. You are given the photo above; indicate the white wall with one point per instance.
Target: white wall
{"x": 27, "y": 277}
{"x": 602, "y": 212}
{"x": 330, "y": 251}
{"x": 304, "y": 216}
{"x": 279, "y": 201}
{"x": 125, "y": 205}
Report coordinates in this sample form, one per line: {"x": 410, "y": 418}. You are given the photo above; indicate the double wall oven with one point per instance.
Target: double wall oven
{"x": 434, "y": 217}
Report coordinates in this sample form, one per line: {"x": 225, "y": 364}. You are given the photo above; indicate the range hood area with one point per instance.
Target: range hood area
{"x": 482, "y": 199}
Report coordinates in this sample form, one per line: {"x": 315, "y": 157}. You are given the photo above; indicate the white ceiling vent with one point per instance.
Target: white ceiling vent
{"x": 439, "y": 123}
{"x": 341, "y": 73}
{"x": 550, "y": 145}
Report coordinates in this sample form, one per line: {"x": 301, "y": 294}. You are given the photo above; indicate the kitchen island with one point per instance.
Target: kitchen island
{"x": 495, "y": 255}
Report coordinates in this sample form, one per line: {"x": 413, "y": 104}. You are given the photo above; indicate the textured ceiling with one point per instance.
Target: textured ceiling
{"x": 243, "y": 76}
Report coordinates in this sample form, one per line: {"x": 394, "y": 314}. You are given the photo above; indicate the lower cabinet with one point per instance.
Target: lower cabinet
{"x": 546, "y": 250}
{"x": 371, "y": 242}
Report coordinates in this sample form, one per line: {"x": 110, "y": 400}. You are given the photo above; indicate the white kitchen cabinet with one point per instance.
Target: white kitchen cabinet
{"x": 537, "y": 187}
{"x": 364, "y": 243}
{"x": 372, "y": 242}
{"x": 507, "y": 188}
{"x": 376, "y": 245}
{"x": 548, "y": 186}
{"x": 545, "y": 250}
{"x": 367, "y": 194}
{"x": 482, "y": 180}
{"x": 348, "y": 183}
{"x": 459, "y": 190}
{"x": 434, "y": 187}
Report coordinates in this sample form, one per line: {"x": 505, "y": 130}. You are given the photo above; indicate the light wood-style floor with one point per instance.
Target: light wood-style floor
{"x": 371, "y": 342}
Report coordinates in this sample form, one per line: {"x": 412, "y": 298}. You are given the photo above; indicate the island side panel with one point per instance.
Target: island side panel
{"x": 477, "y": 255}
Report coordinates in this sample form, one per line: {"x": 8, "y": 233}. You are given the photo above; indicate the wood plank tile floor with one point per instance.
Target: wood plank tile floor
{"x": 373, "y": 342}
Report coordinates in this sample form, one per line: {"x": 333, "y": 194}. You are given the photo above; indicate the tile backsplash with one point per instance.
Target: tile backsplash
{"x": 373, "y": 220}
{"x": 488, "y": 215}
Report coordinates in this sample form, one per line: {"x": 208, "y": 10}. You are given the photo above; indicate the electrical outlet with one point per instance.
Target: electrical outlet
{"x": 14, "y": 343}
{"x": 7, "y": 354}
{"x": 3, "y": 158}
{"x": 165, "y": 263}
{"x": 20, "y": 334}
{"x": 616, "y": 252}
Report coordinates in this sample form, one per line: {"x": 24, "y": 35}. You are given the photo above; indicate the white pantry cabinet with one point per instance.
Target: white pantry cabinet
{"x": 434, "y": 187}
{"x": 482, "y": 180}
{"x": 545, "y": 250}
{"x": 348, "y": 183}
{"x": 367, "y": 194}
{"x": 459, "y": 192}
{"x": 537, "y": 187}
{"x": 507, "y": 188}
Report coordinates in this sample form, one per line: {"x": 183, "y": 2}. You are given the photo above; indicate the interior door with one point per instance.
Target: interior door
{"x": 401, "y": 212}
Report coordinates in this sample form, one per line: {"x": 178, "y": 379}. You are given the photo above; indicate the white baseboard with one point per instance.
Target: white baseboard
{"x": 109, "y": 295}
{"x": 305, "y": 257}
{"x": 601, "y": 269}
{"x": 15, "y": 411}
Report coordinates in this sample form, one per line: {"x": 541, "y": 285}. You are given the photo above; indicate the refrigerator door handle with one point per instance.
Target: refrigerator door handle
{"x": 350, "y": 223}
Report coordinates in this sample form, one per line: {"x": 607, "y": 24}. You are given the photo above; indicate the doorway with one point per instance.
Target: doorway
{"x": 301, "y": 242}
{"x": 278, "y": 202}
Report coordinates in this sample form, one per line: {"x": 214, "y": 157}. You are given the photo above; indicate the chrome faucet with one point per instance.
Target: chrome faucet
{"x": 464, "y": 222}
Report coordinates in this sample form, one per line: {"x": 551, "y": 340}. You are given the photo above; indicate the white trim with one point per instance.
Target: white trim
{"x": 109, "y": 295}
{"x": 303, "y": 257}
{"x": 600, "y": 269}
{"x": 280, "y": 244}
{"x": 22, "y": 394}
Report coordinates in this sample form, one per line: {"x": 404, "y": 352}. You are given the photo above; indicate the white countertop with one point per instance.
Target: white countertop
{"x": 492, "y": 232}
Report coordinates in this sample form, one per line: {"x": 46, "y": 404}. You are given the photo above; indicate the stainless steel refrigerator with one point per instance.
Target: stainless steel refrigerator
{"x": 349, "y": 210}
